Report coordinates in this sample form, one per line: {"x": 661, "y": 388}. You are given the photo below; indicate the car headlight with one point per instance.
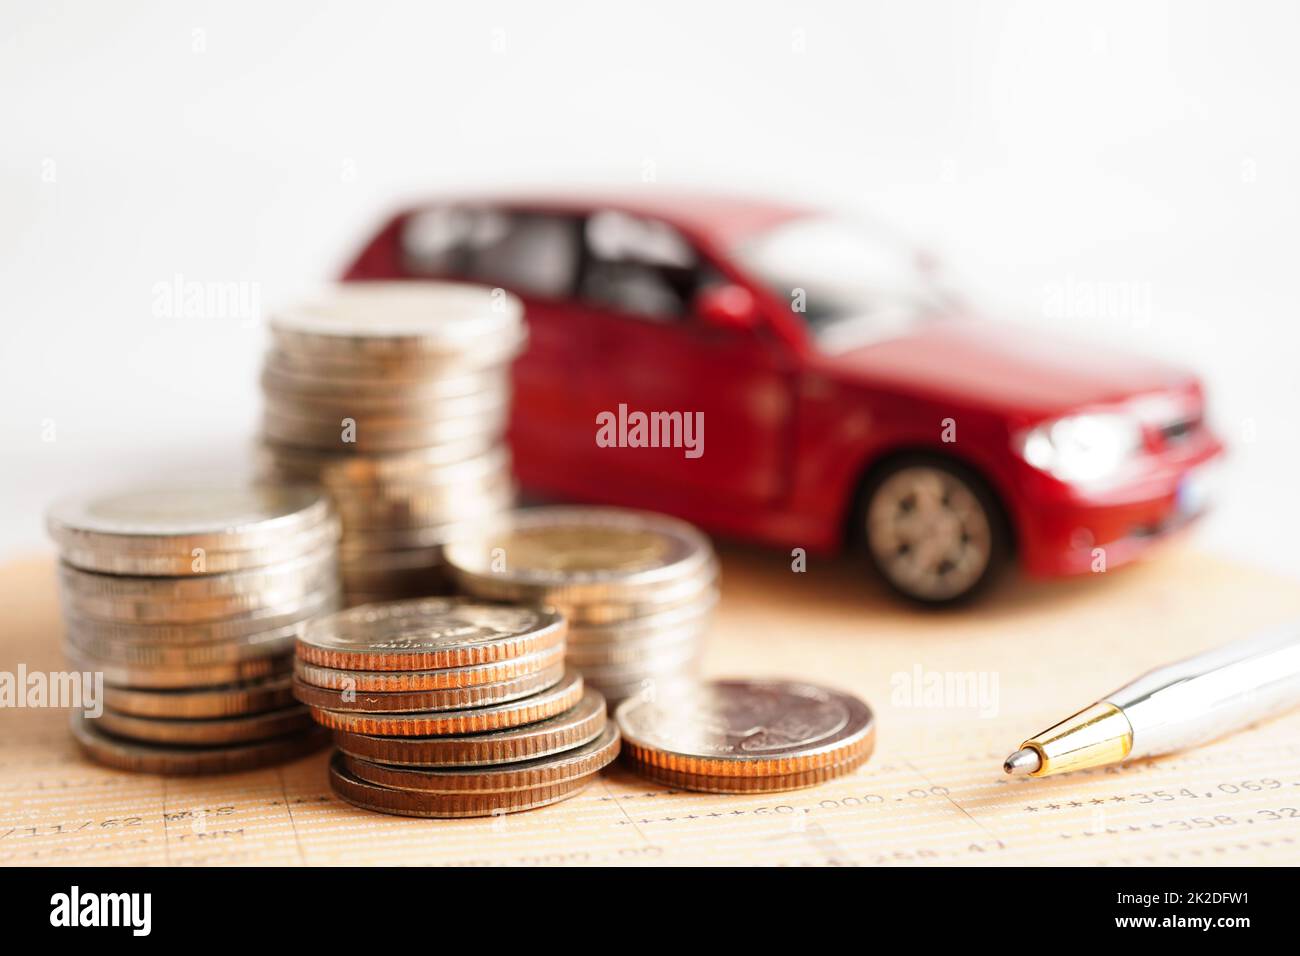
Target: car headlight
{"x": 1081, "y": 448}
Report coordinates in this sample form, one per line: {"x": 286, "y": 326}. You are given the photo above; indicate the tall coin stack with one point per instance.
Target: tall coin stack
{"x": 638, "y": 589}
{"x": 447, "y": 707}
{"x": 395, "y": 397}
{"x": 188, "y": 601}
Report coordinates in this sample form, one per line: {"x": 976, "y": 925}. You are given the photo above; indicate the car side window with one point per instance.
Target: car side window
{"x": 529, "y": 253}
{"x": 638, "y": 266}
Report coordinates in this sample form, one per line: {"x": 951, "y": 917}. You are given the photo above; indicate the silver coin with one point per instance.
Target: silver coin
{"x": 576, "y": 555}
{"x": 581, "y": 761}
{"x": 137, "y": 603}
{"x": 693, "y": 617}
{"x": 353, "y": 700}
{"x": 669, "y": 684}
{"x": 197, "y": 561}
{"x": 208, "y": 731}
{"x": 369, "y": 434}
{"x": 398, "y": 559}
{"x": 666, "y": 645}
{"x": 359, "y": 543}
{"x": 278, "y": 642}
{"x": 237, "y": 628}
{"x": 154, "y": 758}
{"x": 284, "y": 376}
{"x": 575, "y": 727}
{"x": 613, "y": 612}
{"x": 92, "y": 584}
{"x": 396, "y": 318}
{"x": 438, "y": 466}
{"x": 677, "y": 662}
{"x": 172, "y": 677}
{"x": 224, "y": 700}
{"x": 421, "y": 510}
{"x": 177, "y": 519}
{"x": 488, "y": 672}
{"x": 416, "y": 414}
{"x": 746, "y": 727}
{"x": 429, "y": 633}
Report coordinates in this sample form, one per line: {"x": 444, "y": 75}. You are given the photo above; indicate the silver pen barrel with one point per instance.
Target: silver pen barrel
{"x": 1211, "y": 694}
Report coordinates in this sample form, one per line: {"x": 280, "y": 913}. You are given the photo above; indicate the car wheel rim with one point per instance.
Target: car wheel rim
{"x": 929, "y": 533}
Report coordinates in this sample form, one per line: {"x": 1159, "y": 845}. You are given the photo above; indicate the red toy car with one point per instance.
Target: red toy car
{"x": 848, "y": 398}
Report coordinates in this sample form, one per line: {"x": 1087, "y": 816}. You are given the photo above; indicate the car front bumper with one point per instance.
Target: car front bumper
{"x": 1067, "y": 530}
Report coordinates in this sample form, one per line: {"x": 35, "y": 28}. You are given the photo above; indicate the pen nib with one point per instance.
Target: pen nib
{"x": 1024, "y": 760}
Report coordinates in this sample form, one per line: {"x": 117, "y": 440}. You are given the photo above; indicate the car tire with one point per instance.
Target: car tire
{"x": 932, "y": 529}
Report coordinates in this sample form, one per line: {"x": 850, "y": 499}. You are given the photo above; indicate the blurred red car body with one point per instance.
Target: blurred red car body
{"x": 845, "y": 395}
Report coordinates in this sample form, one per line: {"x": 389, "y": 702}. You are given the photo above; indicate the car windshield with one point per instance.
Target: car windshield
{"x": 849, "y": 284}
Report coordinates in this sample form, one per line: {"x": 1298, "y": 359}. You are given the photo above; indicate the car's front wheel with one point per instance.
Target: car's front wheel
{"x": 932, "y": 529}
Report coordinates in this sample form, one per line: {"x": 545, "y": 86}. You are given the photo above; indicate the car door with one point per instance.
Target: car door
{"x": 651, "y": 354}
{"x": 536, "y": 256}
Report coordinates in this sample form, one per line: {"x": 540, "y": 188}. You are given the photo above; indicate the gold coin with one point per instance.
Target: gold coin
{"x": 577, "y": 555}
{"x": 208, "y": 732}
{"x": 428, "y": 634}
{"x": 528, "y": 775}
{"x": 154, "y": 758}
{"x": 417, "y": 701}
{"x": 229, "y": 700}
{"x": 410, "y": 803}
{"x": 756, "y": 728}
{"x": 526, "y": 710}
{"x": 576, "y": 726}
{"x": 447, "y": 678}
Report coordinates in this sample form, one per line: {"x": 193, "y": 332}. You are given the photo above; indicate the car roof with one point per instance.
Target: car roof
{"x": 722, "y": 218}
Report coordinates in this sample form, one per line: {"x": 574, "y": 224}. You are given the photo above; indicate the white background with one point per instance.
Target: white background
{"x": 1146, "y": 149}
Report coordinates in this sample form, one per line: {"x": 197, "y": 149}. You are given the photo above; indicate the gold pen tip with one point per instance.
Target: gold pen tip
{"x": 1024, "y": 760}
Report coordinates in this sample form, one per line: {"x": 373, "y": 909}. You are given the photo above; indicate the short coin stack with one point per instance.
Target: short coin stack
{"x": 755, "y": 736}
{"x": 449, "y": 707}
{"x": 638, "y": 589}
{"x": 395, "y": 397}
{"x": 188, "y": 601}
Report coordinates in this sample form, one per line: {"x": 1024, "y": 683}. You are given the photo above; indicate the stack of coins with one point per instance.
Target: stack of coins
{"x": 756, "y": 736}
{"x": 188, "y": 601}
{"x": 448, "y": 707}
{"x": 395, "y": 397}
{"x": 638, "y": 589}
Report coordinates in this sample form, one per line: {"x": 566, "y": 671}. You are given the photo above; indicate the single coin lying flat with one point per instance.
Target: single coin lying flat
{"x": 741, "y": 736}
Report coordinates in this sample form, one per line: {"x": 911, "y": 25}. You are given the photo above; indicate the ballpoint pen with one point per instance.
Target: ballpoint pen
{"x": 1173, "y": 707}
